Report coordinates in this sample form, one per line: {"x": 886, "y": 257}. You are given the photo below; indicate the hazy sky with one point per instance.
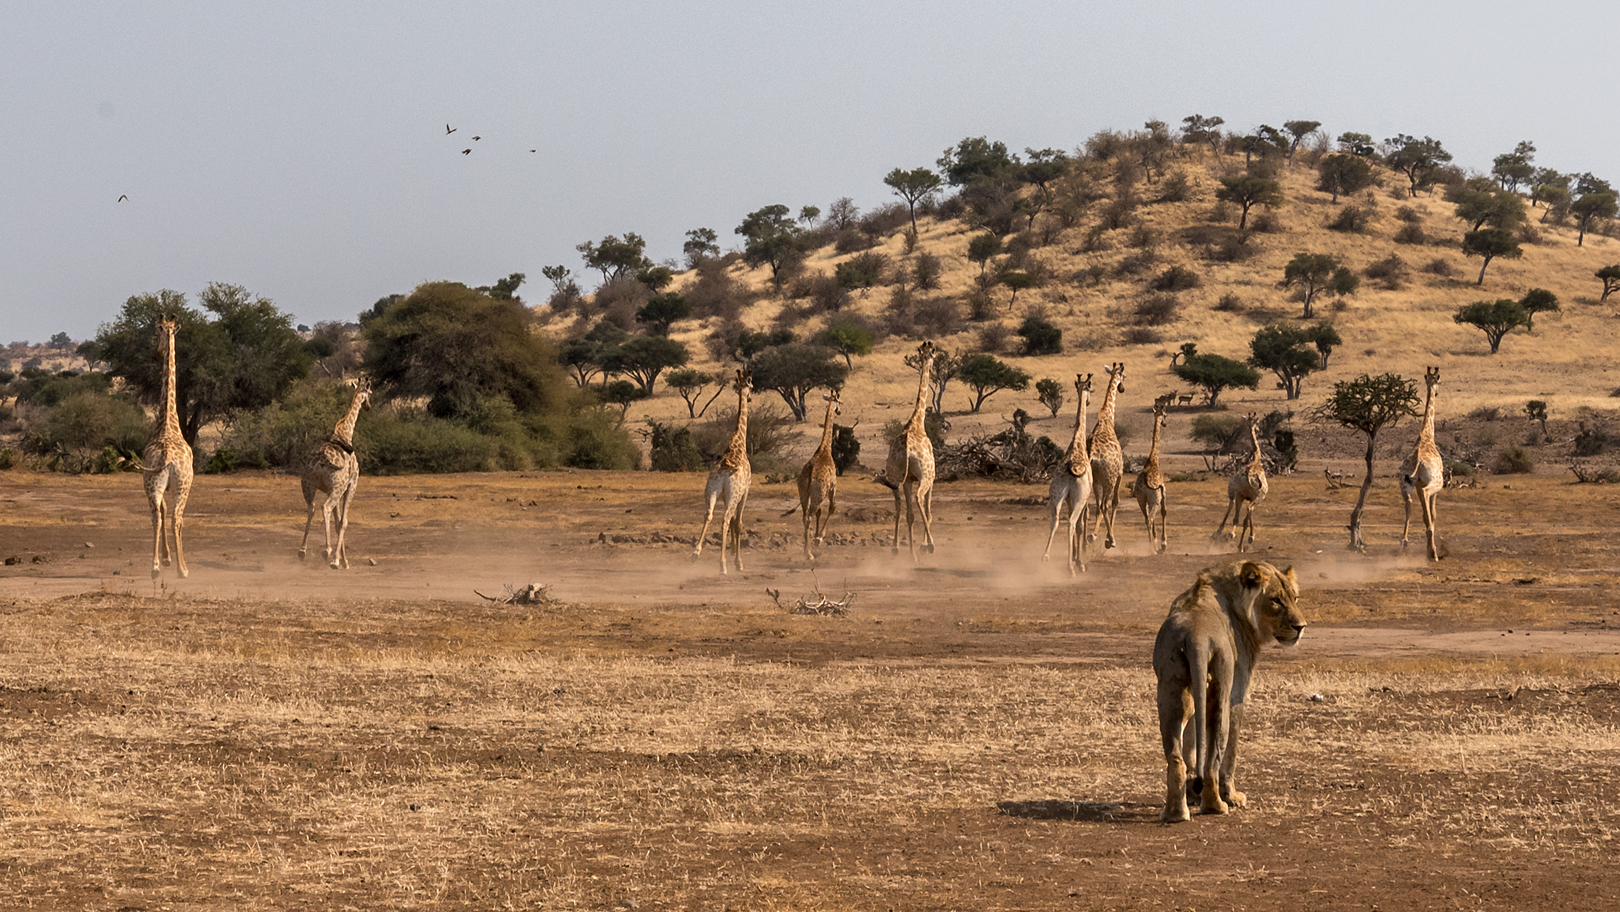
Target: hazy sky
{"x": 299, "y": 149}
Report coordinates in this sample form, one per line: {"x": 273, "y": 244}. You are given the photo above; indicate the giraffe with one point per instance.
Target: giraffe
{"x": 1424, "y": 471}
{"x": 818, "y": 481}
{"x": 166, "y": 464}
{"x": 729, "y": 482}
{"x": 910, "y": 469}
{"x": 1071, "y": 483}
{"x": 1246, "y": 486}
{"x": 332, "y": 469}
{"x": 1150, "y": 484}
{"x": 1107, "y": 460}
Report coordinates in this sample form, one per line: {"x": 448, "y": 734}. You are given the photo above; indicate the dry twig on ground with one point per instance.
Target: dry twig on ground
{"x": 532, "y": 594}
{"x": 822, "y": 605}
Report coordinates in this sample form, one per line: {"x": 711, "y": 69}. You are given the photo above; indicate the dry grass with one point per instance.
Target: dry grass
{"x": 978, "y": 732}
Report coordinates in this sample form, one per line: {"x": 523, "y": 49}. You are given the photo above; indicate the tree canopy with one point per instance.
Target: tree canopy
{"x": 794, "y": 369}
{"x": 245, "y": 357}
{"x": 645, "y": 357}
{"x": 1216, "y": 374}
{"x": 1488, "y": 244}
{"x": 1248, "y": 191}
{"x": 1367, "y": 404}
{"x": 616, "y": 257}
{"x": 1495, "y": 318}
{"x": 914, "y": 186}
{"x": 772, "y": 238}
{"x": 1287, "y": 351}
{"x": 1316, "y": 274}
{"x": 1610, "y": 277}
{"x": 973, "y": 158}
{"x": 1419, "y": 159}
{"x": 456, "y": 347}
{"x": 988, "y": 375}
{"x": 1342, "y": 173}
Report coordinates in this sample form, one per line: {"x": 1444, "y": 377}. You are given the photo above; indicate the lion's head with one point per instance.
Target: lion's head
{"x": 1274, "y": 602}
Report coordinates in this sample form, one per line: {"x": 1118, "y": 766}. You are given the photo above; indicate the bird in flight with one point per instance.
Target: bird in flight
{"x": 122, "y": 197}
{"x": 466, "y": 151}
{"x": 448, "y": 129}
{"x": 477, "y": 138}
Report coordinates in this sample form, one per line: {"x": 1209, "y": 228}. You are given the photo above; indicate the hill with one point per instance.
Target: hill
{"x": 1097, "y": 263}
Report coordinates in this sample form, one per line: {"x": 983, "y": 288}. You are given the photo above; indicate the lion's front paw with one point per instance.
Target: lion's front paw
{"x": 1175, "y": 814}
{"x": 1235, "y": 799}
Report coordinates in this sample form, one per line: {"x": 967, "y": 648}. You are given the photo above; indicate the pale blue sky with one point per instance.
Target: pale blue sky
{"x": 298, "y": 148}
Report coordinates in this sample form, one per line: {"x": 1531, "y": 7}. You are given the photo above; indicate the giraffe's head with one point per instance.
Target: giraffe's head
{"x": 744, "y": 384}
{"x": 1254, "y": 422}
{"x": 362, "y": 392}
{"x": 834, "y": 399}
{"x": 1082, "y": 383}
{"x": 1160, "y": 404}
{"x": 1116, "y": 375}
{"x": 1431, "y": 379}
{"x": 925, "y": 356}
{"x": 166, "y": 330}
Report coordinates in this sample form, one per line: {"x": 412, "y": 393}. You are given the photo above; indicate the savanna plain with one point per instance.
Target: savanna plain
{"x": 977, "y": 733}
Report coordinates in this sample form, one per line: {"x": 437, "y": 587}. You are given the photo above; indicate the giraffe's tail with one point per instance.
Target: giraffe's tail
{"x": 791, "y": 511}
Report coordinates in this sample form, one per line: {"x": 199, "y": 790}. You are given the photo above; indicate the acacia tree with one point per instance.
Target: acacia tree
{"x": 1196, "y": 128}
{"x": 947, "y": 365}
{"x": 772, "y": 238}
{"x": 1286, "y": 351}
{"x": 1418, "y": 159}
{"x": 988, "y": 375}
{"x": 245, "y": 357}
{"x": 701, "y": 244}
{"x": 1297, "y": 130}
{"x": 1488, "y": 244}
{"x": 1248, "y": 191}
{"x": 847, "y": 338}
{"x": 1216, "y": 374}
{"x": 1496, "y": 318}
{"x": 1514, "y": 168}
{"x": 1610, "y": 277}
{"x": 1325, "y": 338}
{"x": 1590, "y": 208}
{"x": 1050, "y": 392}
{"x": 644, "y": 358}
{"x": 615, "y": 257}
{"x": 1316, "y": 274}
{"x": 1343, "y": 173}
{"x": 1538, "y": 300}
{"x": 664, "y": 310}
{"x": 1486, "y": 205}
{"x": 1367, "y": 404}
{"x": 981, "y": 248}
{"x": 690, "y": 384}
{"x": 914, "y": 186}
{"x": 794, "y": 369}
{"x": 454, "y": 346}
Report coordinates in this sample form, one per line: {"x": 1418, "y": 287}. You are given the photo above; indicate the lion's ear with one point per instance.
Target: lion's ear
{"x": 1290, "y": 582}
{"x": 1252, "y": 574}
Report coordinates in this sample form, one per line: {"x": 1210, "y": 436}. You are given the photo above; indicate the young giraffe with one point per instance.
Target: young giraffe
{"x": 1071, "y": 483}
{"x": 1107, "y": 459}
{"x": 1150, "y": 483}
{"x": 729, "y": 482}
{"x": 166, "y": 464}
{"x": 1246, "y": 486}
{"x": 333, "y": 470}
{"x": 818, "y": 481}
{"x": 910, "y": 469}
{"x": 1424, "y": 471}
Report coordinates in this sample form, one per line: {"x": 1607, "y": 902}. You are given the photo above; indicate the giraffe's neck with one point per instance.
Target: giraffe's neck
{"x": 1254, "y": 457}
{"x": 1153, "y": 449}
{"x": 825, "y": 449}
{"x": 1427, "y": 434}
{"x": 737, "y": 452}
{"x": 345, "y": 428}
{"x": 171, "y": 413}
{"x": 1105, "y": 417}
{"x": 919, "y": 412}
{"x": 1077, "y": 446}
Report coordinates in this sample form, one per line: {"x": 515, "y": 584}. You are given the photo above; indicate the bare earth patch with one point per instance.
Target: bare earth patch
{"x": 977, "y": 733}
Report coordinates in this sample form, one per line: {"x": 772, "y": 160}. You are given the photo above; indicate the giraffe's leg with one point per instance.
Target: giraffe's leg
{"x": 159, "y": 555}
{"x": 341, "y": 558}
{"x": 1429, "y": 521}
{"x": 181, "y": 496}
{"x": 737, "y": 530}
{"x": 725, "y": 539}
{"x": 1406, "y": 527}
{"x": 309, "y": 520}
{"x": 1077, "y": 536}
{"x": 925, "y": 505}
{"x": 1231, "y": 511}
{"x": 804, "y": 512}
{"x": 1164, "y": 522}
{"x": 1113, "y": 510}
{"x": 899, "y": 495}
{"x": 328, "y": 514}
{"x": 1058, "y": 500}
{"x": 707, "y": 518}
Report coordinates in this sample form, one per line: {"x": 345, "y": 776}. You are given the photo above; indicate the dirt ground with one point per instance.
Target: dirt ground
{"x": 978, "y": 733}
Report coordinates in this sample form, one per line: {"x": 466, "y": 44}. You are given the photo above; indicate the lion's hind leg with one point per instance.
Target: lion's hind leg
{"x": 1175, "y": 709}
{"x": 1215, "y": 718}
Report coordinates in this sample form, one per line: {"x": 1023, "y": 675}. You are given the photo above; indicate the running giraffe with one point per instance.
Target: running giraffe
{"x": 166, "y": 464}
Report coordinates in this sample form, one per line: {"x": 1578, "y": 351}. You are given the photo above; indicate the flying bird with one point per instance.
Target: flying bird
{"x": 448, "y": 129}
{"x": 534, "y": 150}
{"x": 122, "y": 197}
{"x": 477, "y": 138}
{"x": 466, "y": 151}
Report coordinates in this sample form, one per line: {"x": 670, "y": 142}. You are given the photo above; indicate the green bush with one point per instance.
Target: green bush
{"x": 1514, "y": 461}
{"x": 82, "y": 425}
{"x": 1040, "y": 337}
{"x": 673, "y": 449}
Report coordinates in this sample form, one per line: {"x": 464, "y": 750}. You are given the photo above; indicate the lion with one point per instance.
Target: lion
{"x": 1213, "y": 637}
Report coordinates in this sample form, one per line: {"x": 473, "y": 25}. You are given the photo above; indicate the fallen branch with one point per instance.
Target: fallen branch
{"x": 821, "y": 606}
{"x": 532, "y": 594}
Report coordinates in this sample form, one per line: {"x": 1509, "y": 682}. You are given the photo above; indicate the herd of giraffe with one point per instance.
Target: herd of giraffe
{"x": 1086, "y": 480}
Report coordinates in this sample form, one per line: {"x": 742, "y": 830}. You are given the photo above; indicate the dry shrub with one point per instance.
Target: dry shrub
{"x": 1441, "y": 267}
{"x": 1411, "y": 233}
{"x": 1352, "y": 219}
{"x": 993, "y": 337}
{"x": 1176, "y": 278}
{"x": 1133, "y": 264}
{"x": 1143, "y": 335}
{"x": 937, "y": 317}
{"x": 1391, "y": 271}
{"x": 1514, "y": 461}
{"x": 716, "y": 293}
{"x": 1230, "y": 303}
{"x": 1157, "y": 310}
{"x": 1267, "y": 221}
{"x": 1409, "y": 215}
{"x": 824, "y": 292}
